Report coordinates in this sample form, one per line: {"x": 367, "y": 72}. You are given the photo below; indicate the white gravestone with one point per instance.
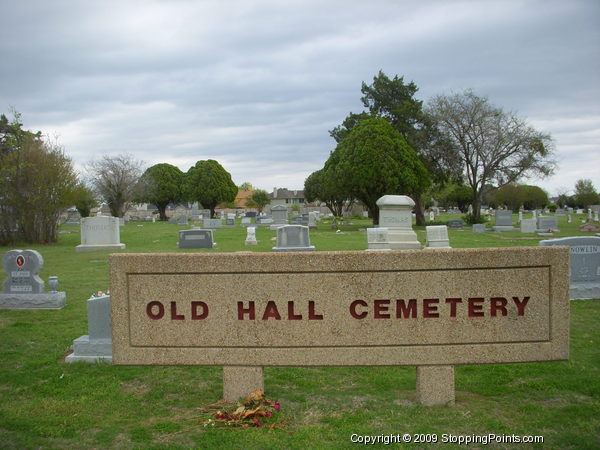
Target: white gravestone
{"x": 97, "y": 344}
{"x": 24, "y": 289}
{"x": 431, "y": 216}
{"x": 378, "y": 239}
{"x": 547, "y": 224}
{"x": 528, "y": 226}
{"x": 293, "y": 238}
{"x": 100, "y": 233}
{"x": 479, "y": 228}
{"x": 395, "y": 214}
{"x": 251, "y": 236}
{"x": 312, "y": 220}
{"x": 585, "y": 265}
{"x": 437, "y": 236}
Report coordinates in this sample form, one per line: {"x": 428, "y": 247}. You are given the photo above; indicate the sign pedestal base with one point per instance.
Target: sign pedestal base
{"x": 238, "y": 382}
{"x": 435, "y": 385}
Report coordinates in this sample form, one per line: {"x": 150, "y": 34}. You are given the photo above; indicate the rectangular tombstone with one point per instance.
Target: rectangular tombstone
{"x": 547, "y": 223}
{"x": 279, "y": 214}
{"x": 196, "y": 238}
{"x": 246, "y": 221}
{"x": 213, "y": 223}
{"x": 585, "y": 264}
{"x": 437, "y": 236}
{"x": 465, "y": 306}
{"x": 560, "y": 212}
{"x": 293, "y": 238}
{"x": 251, "y": 214}
{"x": 378, "y": 239}
{"x": 479, "y": 228}
{"x": 230, "y": 222}
{"x": 100, "y": 233}
{"x": 528, "y": 226}
{"x": 97, "y": 344}
{"x": 455, "y": 223}
{"x": 503, "y": 220}
{"x": 183, "y": 220}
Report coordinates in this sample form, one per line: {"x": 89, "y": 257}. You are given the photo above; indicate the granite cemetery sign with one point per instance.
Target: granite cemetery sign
{"x": 24, "y": 289}
{"x": 425, "y": 309}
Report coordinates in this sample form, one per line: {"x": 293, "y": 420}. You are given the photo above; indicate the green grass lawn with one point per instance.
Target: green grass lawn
{"x": 45, "y": 403}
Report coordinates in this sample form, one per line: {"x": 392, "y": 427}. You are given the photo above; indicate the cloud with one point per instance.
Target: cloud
{"x": 257, "y": 85}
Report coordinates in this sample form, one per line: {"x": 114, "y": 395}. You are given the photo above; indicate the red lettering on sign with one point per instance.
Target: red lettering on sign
{"x": 174, "y": 315}
{"x": 159, "y": 314}
{"x": 498, "y": 304}
{"x": 353, "y": 312}
{"x": 453, "y": 302}
{"x": 291, "y": 314}
{"x": 271, "y": 311}
{"x": 430, "y": 307}
{"x": 203, "y": 314}
{"x": 520, "y": 305}
{"x": 242, "y": 311}
{"x": 380, "y": 309}
{"x": 311, "y": 312}
{"x": 476, "y": 307}
{"x": 402, "y": 310}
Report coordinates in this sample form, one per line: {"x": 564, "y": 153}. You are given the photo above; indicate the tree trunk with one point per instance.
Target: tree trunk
{"x": 374, "y": 213}
{"x": 162, "y": 211}
{"x": 419, "y": 210}
{"x": 477, "y": 207}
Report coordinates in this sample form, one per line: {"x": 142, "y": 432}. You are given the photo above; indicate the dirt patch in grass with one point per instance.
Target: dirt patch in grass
{"x": 136, "y": 388}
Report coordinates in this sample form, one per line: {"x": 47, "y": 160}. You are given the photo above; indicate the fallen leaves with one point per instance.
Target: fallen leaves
{"x": 255, "y": 411}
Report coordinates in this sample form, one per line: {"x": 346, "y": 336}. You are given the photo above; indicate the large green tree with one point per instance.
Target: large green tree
{"x": 161, "y": 184}
{"x": 585, "y": 193}
{"x": 37, "y": 183}
{"x": 493, "y": 145}
{"x": 208, "y": 183}
{"x": 375, "y": 160}
{"x": 319, "y": 186}
{"x": 395, "y": 101}
{"x": 259, "y": 199}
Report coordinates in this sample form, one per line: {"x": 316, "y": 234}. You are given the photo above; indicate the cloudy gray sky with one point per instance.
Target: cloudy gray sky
{"x": 257, "y": 85}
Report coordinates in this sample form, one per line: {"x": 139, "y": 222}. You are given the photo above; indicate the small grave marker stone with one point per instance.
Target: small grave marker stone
{"x": 378, "y": 239}
{"x": 213, "y": 223}
{"x": 455, "y": 223}
{"x": 479, "y": 228}
{"x": 100, "y": 233}
{"x": 437, "y": 236}
{"x": 196, "y": 238}
{"x": 528, "y": 226}
{"x": 547, "y": 224}
{"x": 24, "y": 289}
{"x": 251, "y": 236}
{"x": 293, "y": 238}
{"x": 503, "y": 220}
{"x": 97, "y": 344}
